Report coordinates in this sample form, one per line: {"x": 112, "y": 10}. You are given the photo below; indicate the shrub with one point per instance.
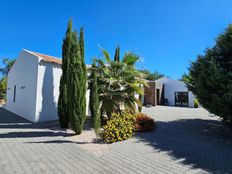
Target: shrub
{"x": 196, "y": 103}
{"x": 119, "y": 127}
{"x": 144, "y": 123}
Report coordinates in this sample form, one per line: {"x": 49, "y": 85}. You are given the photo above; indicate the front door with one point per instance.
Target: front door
{"x": 157, "y": 96}
{"x": 181, "y": 99}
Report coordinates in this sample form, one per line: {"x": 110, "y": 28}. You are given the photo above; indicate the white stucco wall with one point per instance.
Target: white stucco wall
{"x": 47, "y": 91}
{"x": 23, "y": 75}
{"x": 172, "y": 86}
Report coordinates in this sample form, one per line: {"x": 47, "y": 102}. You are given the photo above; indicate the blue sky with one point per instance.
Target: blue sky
{"x": 166, "y": 34}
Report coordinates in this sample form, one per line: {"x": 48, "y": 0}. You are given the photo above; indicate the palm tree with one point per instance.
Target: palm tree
{"x": 8, "y": 63}
{"x": 119, "y": 81}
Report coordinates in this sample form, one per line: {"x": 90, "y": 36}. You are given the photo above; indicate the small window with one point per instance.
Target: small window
{"x": 14, "y": 93}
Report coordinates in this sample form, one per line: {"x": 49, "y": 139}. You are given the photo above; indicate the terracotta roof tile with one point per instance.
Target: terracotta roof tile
{"x": 49, "y": 59}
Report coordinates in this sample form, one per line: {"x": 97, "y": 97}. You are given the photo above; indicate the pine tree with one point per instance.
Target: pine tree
{"x": 63, "y": 98}
{"x": 117, "y": 54}
{"x": 94, "y": 100}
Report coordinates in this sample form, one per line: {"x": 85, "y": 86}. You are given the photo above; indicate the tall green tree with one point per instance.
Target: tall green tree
{"x": 83, "y": 77}
{"x": 77, "y": 88}
{"x": 67, "y": 49}
{"x": 117, "y": 54}
{"x": 94, "y": 99}
{"x": 211, "y": 77}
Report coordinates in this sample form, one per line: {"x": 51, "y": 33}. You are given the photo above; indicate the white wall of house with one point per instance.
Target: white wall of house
{"x": 23, "y": 75}
{"x": 47, "y": 91}
{"x": 171, "y": 86}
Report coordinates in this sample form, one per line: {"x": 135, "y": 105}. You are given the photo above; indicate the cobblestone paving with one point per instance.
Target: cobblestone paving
{"x": 185, "y": 141}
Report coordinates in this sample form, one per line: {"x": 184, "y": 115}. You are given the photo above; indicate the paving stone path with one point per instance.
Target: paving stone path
{"x": 185, "y": 141}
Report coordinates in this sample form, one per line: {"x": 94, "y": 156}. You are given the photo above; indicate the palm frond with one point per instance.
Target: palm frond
{"x": 106, "y": 55}
{"x": 130, "y": 59}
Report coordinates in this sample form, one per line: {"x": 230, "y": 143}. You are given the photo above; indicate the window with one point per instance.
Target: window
{"x": 14, "y": 93}
{"x": 181, "y": 99}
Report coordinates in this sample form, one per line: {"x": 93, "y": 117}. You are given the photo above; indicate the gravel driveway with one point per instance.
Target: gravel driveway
{"x": 185, "y": 141}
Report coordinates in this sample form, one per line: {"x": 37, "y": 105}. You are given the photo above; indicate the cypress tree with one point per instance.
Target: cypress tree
{"x": 83, "y": 75}
{"x": 82, "y": 44}
{"x": 77, "y": 86}
{"x": 63, "y": 96}
{"x": 94, "y": 100}
{"x": 117, "y": 54}
{"x": 74, "y": 86}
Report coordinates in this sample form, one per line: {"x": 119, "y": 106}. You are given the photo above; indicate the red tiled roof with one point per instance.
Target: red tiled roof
{"x": 49, "y": 59}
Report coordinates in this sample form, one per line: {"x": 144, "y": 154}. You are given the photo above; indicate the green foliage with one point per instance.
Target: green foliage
{"x": 7, "y": 64}
{"x": 119, "y": 127}
{"x": 152, "y": 76}
{"x": 76, "y": 88}
{"x": 63, "y": 96}
{"x": 144, "y": 123}
{"x": 118, "y": 83}
{"x": 117, "y": 54}
{"x": 83, "y": 77}
{"x": 82, "y": 44}
{"x": 211, "y": 77}
{"x": 3, "y": 88}
{"x": 196, "y": 103}
{"x": 94, "y": 100}
{"x": 185, "y": 78}
{"x": 72, "y": 98}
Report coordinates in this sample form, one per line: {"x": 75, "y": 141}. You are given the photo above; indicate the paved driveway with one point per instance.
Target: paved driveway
{"x": 185, "y": 141}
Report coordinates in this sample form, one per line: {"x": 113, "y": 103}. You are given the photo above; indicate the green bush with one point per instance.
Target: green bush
{"x": 196, "y": 103}
{"x": 119, "y": 127}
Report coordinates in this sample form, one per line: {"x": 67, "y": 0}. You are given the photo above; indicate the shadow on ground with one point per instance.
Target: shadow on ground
{"x": 16, "y": 124}
{"x": 204, "y": 144}
{"x": 9, "y": 120}
{"x": 33, "y": 134}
